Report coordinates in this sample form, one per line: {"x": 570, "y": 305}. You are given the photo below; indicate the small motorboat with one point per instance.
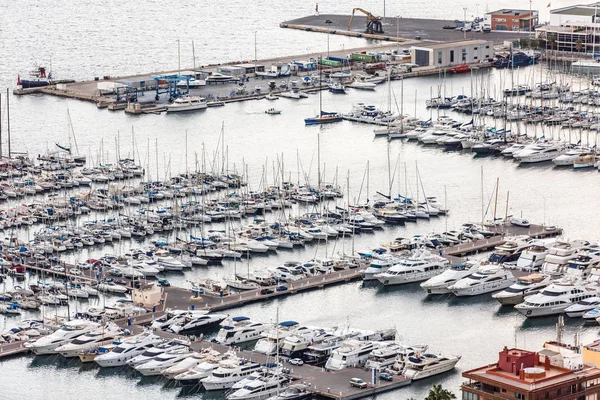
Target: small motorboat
{"x": 273, "y": 111}
{"x": 215, "y": 103}
{"x": 271, "y": 97}
{"x": 460, "y": 69}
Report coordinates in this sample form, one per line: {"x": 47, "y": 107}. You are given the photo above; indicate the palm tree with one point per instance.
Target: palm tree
{"x": 437, "y": 393}
{"x": 578, "y": 45}
{"x": 551, "y": 39}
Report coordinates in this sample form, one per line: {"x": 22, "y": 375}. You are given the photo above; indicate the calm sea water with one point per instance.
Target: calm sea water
{"x": 118, "y": 38}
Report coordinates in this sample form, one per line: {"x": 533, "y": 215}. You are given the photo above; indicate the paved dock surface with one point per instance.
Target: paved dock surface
{"x": 404, "y": 29}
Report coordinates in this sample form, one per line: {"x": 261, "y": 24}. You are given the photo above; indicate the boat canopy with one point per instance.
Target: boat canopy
{"x": 288, "y": 323}
{"x": 238, "y": 319}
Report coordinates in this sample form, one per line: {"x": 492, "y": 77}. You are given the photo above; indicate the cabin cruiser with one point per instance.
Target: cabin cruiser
{"x": 259, "y": 388}
{"x": 439, "y": 284}
{"x": 421, "y": 266}
{"x": 525, "y": 286}
{"x": 172, "y": 317}
{"x": 488, "y": 146}
{"x": 420, "y": 366}
{"x": 130, "y": 347}
{"x": 510, "y": 250}
{"x": 386, "y": 354}
{"x": 554, "y": 299}
{"x": 290, "y": 271}
{"x": 187, "y": 103}
{"x": 293, "y": 346}
{"x": 378, "y": 265}
{"x": 352, "y": 353}
{"x": 582, "y": 307}
{"x": 189, "y": 363}
{"x": 91, "y": 340}
{"x": 163, "y": 361}
{"x": 297, "y": 391}
{"x": 68, "y": 331}
{"x": 228, "y": 373}
{"x": 540, "y": 152}
{"x": 193, "y": 324}
{"x": 488, "y": 278}
{"x": 218, "y": 77}
{"x": 171, "y": 345}
{"x": 272, "y": 338}
{"x": 239, "y": 330}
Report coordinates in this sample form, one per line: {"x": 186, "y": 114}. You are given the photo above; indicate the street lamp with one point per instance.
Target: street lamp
{"x": 328, "y": 22}
{"x": 465, "y": 24}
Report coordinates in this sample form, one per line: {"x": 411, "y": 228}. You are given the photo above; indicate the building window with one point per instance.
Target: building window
{"x": 558, "y": 392}
{"x": 464, "y": 55}
{"x": 487, "y": 47}
{"x": 474, "y": 48}
{"x": 475, "y": 58}
{"x": 439, "y": 57}
{"x": 451, "y": 56}
{"x": 547, "y": 396}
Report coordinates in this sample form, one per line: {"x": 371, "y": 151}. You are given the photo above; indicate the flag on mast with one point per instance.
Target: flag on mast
{"x": 317, "y": 9}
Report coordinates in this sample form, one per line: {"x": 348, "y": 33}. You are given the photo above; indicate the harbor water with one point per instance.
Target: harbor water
{"x": 95, "y": 38}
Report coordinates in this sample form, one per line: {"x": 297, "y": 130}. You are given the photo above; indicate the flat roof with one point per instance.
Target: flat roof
{"x": 555, "y": 375}
{"x": 508, "y": 11}
{"x": 248, "y": 65}
{"x": 578, "y": 9}
{"x": 455, "y": 44}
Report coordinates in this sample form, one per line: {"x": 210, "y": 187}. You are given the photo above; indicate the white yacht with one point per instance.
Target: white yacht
{"x": 170, "y": 263}
{"x": 172, "y": 345}
{"x": 203, "y": 370}
{"x": 423, "y": 366}
{"x": 421, "y": 266}
{"x": 194, "y": 324}
{"x": 525, "y": 286}
{"x": 540, "y": 153}
{"x": 163, "y": 361}
{"x": 439, "y": 284}
{"x": 189, "y": 363}
{"x": 532, "y": 258}
{"x": 260, "y": 388}
{"x": 560, "y": 254}
{"x": 131, "y": 347}
{"x": 290, "y": 271}
{"x": 385, "y": 355}
{"x": 554, "y": 299}
{"x": 293, "y": 346}
{"x": 272, "y": 337}
{"x": 187, "y": 103}
{"x": 377, "y": 266}
{"x": 68, "y": 331}
{"x": 488, "y": 278}
{"x": 571, "y": 155}
{"x": 239, "y": 330}
{"x": 229, "y": 372}
{"x": 592, "y": 315}
{"x": 582, "y": 307}
{"x": 99, "y": 337}
{"x": 352, "y": 353}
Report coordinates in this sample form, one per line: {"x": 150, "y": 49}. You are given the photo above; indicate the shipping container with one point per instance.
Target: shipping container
{"x": 330, "y": 63}
{"x": 363, "y": 57}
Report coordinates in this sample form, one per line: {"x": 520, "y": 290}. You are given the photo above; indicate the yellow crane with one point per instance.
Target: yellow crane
{"x": 373, "y": 22}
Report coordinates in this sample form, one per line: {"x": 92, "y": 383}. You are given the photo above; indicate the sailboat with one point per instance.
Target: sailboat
{"x": 323, "y": 117}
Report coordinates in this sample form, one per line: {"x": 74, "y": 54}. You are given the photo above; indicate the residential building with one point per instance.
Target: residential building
{"x": 512, "y": 20}
{"x": 442, "y": 55}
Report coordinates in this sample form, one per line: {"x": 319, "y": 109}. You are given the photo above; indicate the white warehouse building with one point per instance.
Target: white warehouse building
{"x": 442, "y": 55}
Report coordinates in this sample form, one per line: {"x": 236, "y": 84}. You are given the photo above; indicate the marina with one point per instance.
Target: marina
{"x": 370, "y": 205}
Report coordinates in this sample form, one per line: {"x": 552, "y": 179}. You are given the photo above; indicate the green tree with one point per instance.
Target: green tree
{"x": 525, "y": 43}
{"x": 437, "y": 393}
{"x": 578, "y": 45}
{"x": 551, "y": 40}
{"x": 534, "y": 43}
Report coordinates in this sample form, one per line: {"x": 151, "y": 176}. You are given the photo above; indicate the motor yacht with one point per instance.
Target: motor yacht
{"x": 259, "y": 389}
{"x": 68, "y": 331}
{"x": 294, "y": 345}
{"x": 559, "y": 255}
{"x": 163, "y": 361}
{"x": 189, "y": 363}
{"x": 488, "y": 147}
{"x": 439, "y": 284}
{"x": 540, "y": 152}
{"x": 195, "y": 375}
{"x": 510, "y": 250}
{"x": 290, "y": 271}
{"x": 421, "y": 266}
{"x": 187, "y": 103}
{"x": 532, "y": 258}
{"x": 239, "y": 330}
{"x": 128, "y": 348}
{"x": 378, "y": 265}
{"x": 228, "y": 373}
{"x": 555, "y": 299}
{"x": 525, "y": 286}
{"x": 297, "y": 391}
{"x": 592, "y": 315}
{"x": 488, "y": 278}
{"x": 273, "y": 337}
{"x": 194, "y": 324}
{"x": 421, "y": 366}
{"x": 99, "y": 337}
{"x": 352, "y": 353}
{"x": 582, "y": 307}
{"x": 149, "y": 354}
{"x": 169, "y": 318}
{"x": 385, "y": 355}
{"x": 571, "y": 155}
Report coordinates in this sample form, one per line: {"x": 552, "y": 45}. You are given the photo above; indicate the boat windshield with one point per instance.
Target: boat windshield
{"x": 552, "y": 293}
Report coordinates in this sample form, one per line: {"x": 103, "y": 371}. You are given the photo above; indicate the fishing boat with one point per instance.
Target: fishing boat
{"x": 517, "y": 59}
{"x": 38, "y": 78}
{"x": 273, "y": 111}
{"x": 336, "y": 87}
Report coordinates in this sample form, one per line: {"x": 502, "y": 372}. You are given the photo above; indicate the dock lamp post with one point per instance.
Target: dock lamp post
{"x": 465, "y": 24}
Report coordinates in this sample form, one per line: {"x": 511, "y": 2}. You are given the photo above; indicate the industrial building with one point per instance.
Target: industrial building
{"x": 512, "y": 20}
{"x": 442, "y": 55}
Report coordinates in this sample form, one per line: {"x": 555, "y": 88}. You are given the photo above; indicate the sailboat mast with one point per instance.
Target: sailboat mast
{"x": 496, "y": 201}
{"x": 0, "y": 125}
{"x": 318, "y": 161}
{"x": 8, "y": 120}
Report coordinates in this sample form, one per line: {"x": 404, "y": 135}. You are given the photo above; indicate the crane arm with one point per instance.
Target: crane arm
{"x": 370, "y": 17}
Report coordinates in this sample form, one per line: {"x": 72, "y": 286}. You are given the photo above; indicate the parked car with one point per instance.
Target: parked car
{"x": 359, "y": 383}
{"x": 296, "y": 361}
{"x": 163, "y": 282}
{"x": 385, "y": 377}
{"x": 266, "y": 291}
